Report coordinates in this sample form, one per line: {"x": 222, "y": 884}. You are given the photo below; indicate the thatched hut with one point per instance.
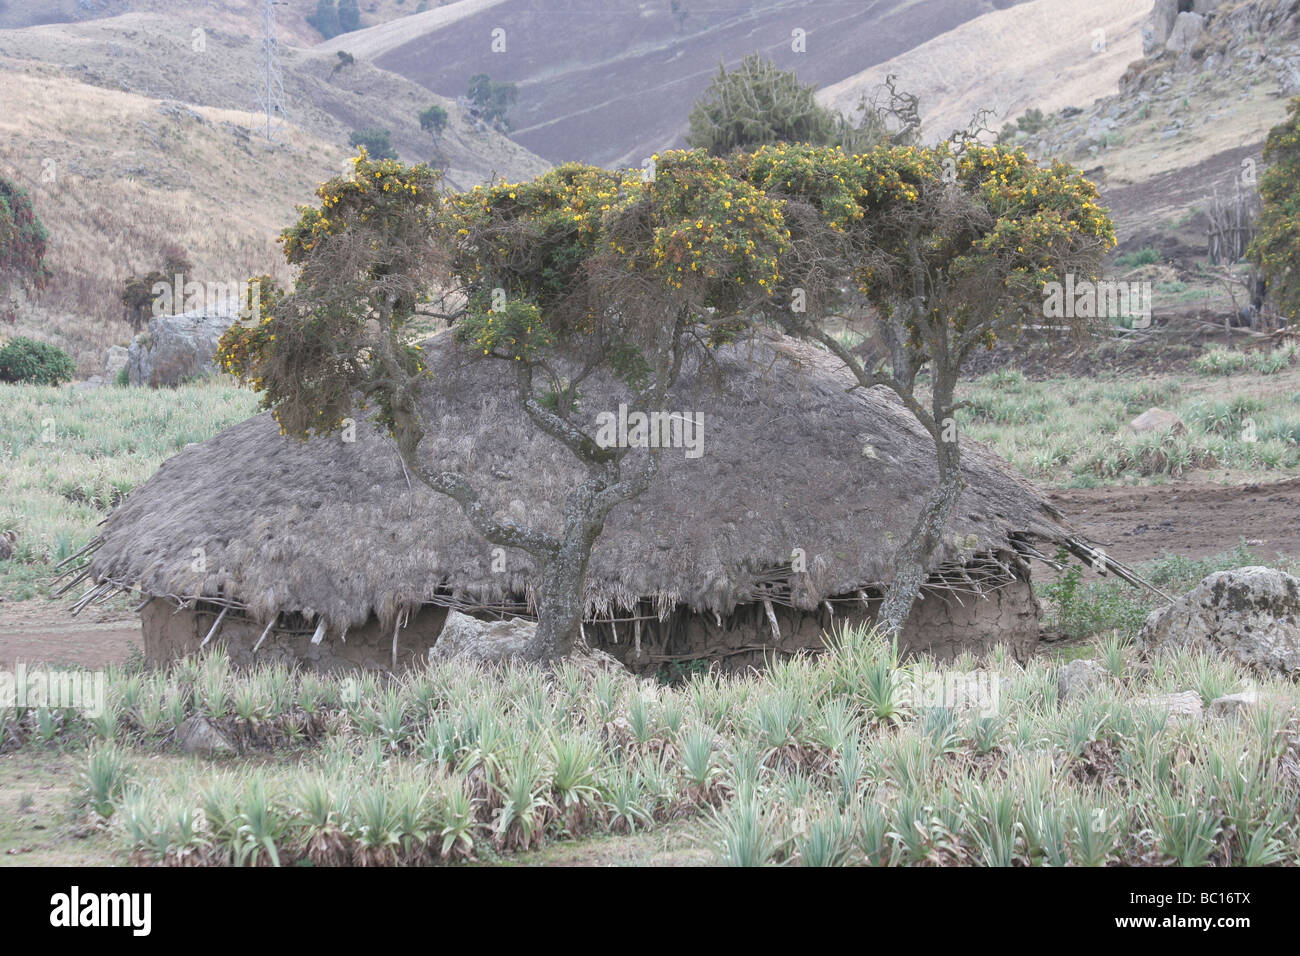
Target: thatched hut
{"x": 327, "y": 552}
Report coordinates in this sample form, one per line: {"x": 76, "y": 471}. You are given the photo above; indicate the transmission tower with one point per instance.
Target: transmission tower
{"x": 270, "y": 92}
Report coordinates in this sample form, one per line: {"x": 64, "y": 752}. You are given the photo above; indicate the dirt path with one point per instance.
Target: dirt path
{"x": 48, "y": 635}
{"x": 1189, "y": 519}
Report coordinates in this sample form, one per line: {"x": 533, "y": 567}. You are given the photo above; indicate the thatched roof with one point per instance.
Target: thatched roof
{"x": 792, "y": 459}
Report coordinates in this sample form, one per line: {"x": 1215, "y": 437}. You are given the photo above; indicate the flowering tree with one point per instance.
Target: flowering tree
{"x": 1276, "y": 248}
{"x": 581, "y": 271}
{"x": 950, "y": 248}
{"x": 22, "y": 240}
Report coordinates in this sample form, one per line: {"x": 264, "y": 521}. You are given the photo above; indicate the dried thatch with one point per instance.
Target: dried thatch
{"x": 792, "y": 459}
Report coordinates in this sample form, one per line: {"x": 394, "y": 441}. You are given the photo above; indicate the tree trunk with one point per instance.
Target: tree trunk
{"x": 912, "y": 559}
{"x": 560, "y": 604}
{"x": 562, "y": 595}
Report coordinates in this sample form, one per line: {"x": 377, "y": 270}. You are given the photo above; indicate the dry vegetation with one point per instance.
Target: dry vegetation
{"x": 117, "y": 178}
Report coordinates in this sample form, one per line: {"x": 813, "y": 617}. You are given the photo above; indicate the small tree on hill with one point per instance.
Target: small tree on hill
{"x": 951, "y": 248}
{"x": 433, "y": 121}
{"x": 138, "y": 291}
{"x": 490, "y": 101}
{"x": 326, "y": 19}
{"x": 23, "y": 242}
{"x": 376, "y": 142}
{"x": 1275, "y": 250}
{"x": 758, "y": 104}
{"x": 577, "y": 273}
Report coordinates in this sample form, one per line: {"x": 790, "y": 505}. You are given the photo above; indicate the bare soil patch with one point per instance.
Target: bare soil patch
{"x": 1186, "y": 518}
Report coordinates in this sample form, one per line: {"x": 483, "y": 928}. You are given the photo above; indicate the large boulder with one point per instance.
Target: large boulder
{"x": 1251, "y": 614}
{"x": 1158, "y": 420}
{"x": 469, "y": 639}
{"x": 115, "y": 359}
{"x": 179, "y": 348}
{"x": 1187, "y": 30}
{"x": 465, "y": 638}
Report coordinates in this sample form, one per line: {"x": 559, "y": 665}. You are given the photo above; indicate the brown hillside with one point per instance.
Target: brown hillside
{"x": 611, "y": 83}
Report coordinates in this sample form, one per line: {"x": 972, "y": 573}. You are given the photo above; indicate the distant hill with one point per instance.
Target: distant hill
{"x": 1187, "y": 118}
{"x": 132, "y": 136}
{"x": 611, "y": 82}
{"x": 1043, "y": 54}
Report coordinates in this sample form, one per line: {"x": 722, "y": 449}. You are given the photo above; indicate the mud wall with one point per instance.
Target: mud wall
{"x": 170, "y": 634}
{"x": 940, "y": 625}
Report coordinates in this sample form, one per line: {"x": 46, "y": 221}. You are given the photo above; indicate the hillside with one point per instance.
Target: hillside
{"x": 611, "y": 84}
{"x": 127, "y": 155}
{"x": 1184, "y": 120}
{"x": 1044, "y": 54}
{"x": 237, "y": 16}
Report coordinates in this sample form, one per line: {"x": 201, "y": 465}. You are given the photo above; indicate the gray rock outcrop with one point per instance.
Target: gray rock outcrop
{"x": 1252, "y": 615}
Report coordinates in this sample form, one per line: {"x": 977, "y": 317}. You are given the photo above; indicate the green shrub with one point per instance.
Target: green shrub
{"x": 1148, "y": 256}
{"x": 35, "y": 363}
{"x": 378, "y": 142}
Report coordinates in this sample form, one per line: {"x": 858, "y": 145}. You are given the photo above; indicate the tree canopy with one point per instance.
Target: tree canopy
{"x": 23, "y": 240}
{"x": 1276, "y": 248}
{"x": 756, "y": 104}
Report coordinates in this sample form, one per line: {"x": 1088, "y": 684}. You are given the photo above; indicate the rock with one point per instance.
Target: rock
{"x": 178, "y": 348}
{"x": 1187, "y": 30}
{"x": 1184, "y": 705}
{"x": 1079, "y": 677}
{"x": 1252, "y": 615}
{"x": 115, "y": 359}
{"x": 197, "y": 736}
{"x": 467, "y": 638}
{"x": 1158, "y": 26}
{"x": 1157, "y": 419}
{"x": 1233, "y": 705}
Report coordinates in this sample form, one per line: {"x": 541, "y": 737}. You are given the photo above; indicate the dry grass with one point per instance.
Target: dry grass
{"x": 117, "y": 177}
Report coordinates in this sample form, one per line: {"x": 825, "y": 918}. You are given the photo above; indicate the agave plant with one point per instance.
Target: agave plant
{"x": 104, "y": 779}
{"x": 261, "y": 827}
{"x": 623, "y": 793}
{"x": 575, "y": 762}
{"x": 1187, "y": 828}
{"x": 454, "y": 819}
{"x": 698, "y": 762}
{"x": 742, "y": 834}
{"x": 826, "y": 840}
{"x": 1093, "y": 833}
{"x": 372, "y": 825}
{"x": 525, "y": 803}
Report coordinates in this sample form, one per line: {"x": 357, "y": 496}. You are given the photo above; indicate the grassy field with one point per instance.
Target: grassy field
{"x": 1241, "y": 409}
{"x": 68, "y": 455}
{"x": 849, "y": 757}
